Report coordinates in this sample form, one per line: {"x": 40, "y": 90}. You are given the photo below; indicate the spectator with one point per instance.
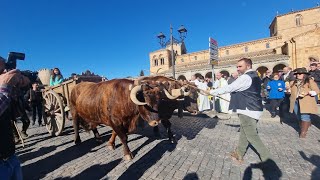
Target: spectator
{"x": 56, "y": 77}
{"x": 318, "y": 66}
{"x": 276, "y": 88}
{"x": 315, "y": 75}
{"x": 302, "y": 103}
{"x": 223, "y": 102}
{"x": 204, "y": 103}
{"x": 34, "y": 97}
{"x": 10, "y": 167}
{"x": 265, "y": 81}
{"x": 233, "y": 77}
{"x": 287, "y": 76}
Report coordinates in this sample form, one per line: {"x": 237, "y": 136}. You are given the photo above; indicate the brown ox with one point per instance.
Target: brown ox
{"x": 114, "y": 104}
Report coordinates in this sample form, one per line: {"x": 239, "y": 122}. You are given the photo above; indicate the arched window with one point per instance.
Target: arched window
{"x": 156, "y": 62}
{"x": 246, "y": 49}
{"x": 162, "y": 61}
{"x": 195, "y": 58}
{"x": 267, "y": 45}
{"x": 298, "y": 20}
{"x": 182, "y": 60}
{"x": 227, "y": 52}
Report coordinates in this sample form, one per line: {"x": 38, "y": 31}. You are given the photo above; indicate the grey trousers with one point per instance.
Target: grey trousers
{"x": 249, "y": 134}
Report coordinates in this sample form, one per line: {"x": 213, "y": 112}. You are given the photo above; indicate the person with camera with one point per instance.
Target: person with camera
{"x": 34, "y": 98}
{"x": 9, "y": 164}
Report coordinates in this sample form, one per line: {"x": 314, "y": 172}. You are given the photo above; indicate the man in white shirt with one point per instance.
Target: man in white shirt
{"x": 222, "y": 102}
{"x": 247, "y": 102}
{"x": 204, "y": 102}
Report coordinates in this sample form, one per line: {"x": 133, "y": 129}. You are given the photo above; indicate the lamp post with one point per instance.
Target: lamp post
{"x": 183, "y": 33}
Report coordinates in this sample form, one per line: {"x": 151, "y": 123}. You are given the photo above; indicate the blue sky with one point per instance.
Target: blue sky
{"x": 113, "y": 38}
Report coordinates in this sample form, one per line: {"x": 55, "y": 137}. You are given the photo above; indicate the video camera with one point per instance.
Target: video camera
{"x": 12, "y": 60}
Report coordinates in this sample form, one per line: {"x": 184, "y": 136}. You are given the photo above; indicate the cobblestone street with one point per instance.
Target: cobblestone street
{"x": 202, "y": 152}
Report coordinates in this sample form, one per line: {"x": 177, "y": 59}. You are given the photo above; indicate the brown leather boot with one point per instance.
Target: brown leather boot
{"x": 304, "y": 126}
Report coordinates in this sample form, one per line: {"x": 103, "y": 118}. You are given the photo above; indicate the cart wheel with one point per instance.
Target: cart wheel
{"x": 54, "y": 113}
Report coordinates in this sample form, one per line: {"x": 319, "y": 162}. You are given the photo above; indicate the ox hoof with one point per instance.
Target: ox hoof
{"x": 128, "y": 157}
{"x": 77, "y": 141}
{"x": 157, "y": 135}
{"x": 98, "y": 140}
{"x": 111, "y": 146}
{"x": 173, "y": 141}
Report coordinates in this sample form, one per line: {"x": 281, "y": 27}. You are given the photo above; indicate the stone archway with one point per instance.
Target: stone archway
{"x": 182, "y": 77}
{"x": 278, "y": 68}
{"x": 262, "y": 71}
{"x": 225, "y": 73}
{"x": 198, "y": 75}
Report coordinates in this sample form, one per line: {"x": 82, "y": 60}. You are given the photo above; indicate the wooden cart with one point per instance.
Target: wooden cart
{"x": 57, "y": 103}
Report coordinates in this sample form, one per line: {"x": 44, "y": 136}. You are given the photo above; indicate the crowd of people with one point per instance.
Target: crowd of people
{"x": 296, "y": 90}
{"x": 285, "y": 93}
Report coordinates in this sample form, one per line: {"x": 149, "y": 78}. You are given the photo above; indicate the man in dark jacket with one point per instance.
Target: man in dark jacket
{"x": 287, "y": 75}
{"x": 315, "y": 73}
{"x": 34, "y": 97}
{"x": 265, "y": 81}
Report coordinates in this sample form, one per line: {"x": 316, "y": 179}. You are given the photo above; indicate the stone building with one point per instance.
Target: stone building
{"x": 294, "y": 41}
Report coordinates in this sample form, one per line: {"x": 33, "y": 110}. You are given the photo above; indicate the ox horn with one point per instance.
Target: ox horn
{"x": 169, "y": 95}
{"x": 133, "y": 96}
{"x": 184, "y": 92}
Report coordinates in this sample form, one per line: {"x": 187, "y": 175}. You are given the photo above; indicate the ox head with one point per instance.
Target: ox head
{"x": 185, "y": 93}
{"x": 147, "y": 96}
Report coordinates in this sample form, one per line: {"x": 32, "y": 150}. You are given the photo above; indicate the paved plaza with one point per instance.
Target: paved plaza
{"x": 202, "y": 152}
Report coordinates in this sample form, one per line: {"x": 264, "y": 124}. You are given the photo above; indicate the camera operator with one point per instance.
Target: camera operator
{"x": 9, "y": 164}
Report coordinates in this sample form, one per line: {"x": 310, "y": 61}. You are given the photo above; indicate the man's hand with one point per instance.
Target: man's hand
{"x": 14, "y": 78}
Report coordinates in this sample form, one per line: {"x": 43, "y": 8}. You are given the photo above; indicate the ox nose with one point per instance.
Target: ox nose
{"x": 154, "y": 123}
{"x": 195, "y": 112}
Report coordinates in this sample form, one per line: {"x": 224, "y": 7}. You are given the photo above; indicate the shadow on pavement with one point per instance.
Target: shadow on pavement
{"x": 315, "y": 160}
{"x": 136, "y": 170}
{"x": 315, "y": 119}
{"x": 291, "y": 120}
{"x": 97, "y": 171}
{"x": 43, "y": 166}
{"x": 269, "y": 169}
{"x": 191, "y": 176}
{"x": 40, "y": 152}
{"x": 188, "y": 127}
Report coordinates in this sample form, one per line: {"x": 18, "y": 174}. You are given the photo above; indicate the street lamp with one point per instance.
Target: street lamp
{"x": 183, "y": 34}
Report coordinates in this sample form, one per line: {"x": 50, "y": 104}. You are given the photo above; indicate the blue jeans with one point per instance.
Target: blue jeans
{"x": 301, "y": 116}
{"x": 10, "y": 169}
